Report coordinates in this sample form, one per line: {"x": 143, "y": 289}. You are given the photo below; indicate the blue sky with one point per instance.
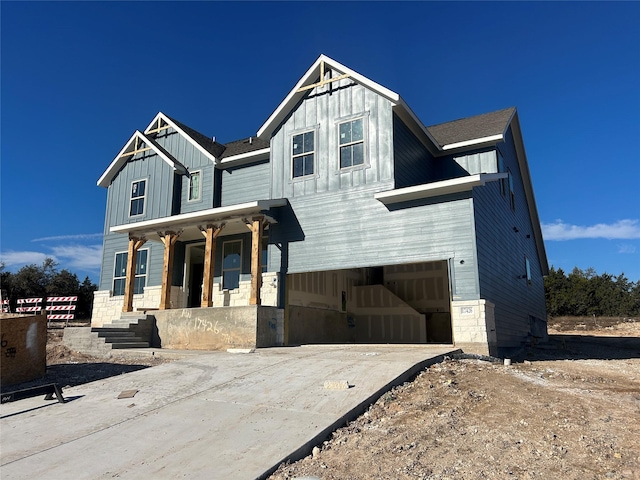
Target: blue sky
{"x": 78, "y": 78}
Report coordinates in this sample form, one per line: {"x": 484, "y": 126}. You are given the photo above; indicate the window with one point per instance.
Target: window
{"x": 351, "y": 143}
{"x": 138, "y": 190}
{"x": 303, "y": 153}
{"x": 194, "y": 186}
{"x": 512, "y": 195}
{"x": 503, "y": 181}
{"x": 231, "y": 264}
{"x": 120, "y": 272}
{"x": 527, "y": 267}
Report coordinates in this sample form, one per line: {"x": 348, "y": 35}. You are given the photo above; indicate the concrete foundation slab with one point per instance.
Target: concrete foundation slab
{"x": 213, "y": 415}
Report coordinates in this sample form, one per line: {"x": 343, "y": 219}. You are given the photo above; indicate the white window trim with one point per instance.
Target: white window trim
{"x": 222, "y": 269}
{"x": 143, "y": 197}
{"x": 199, "y": 197}
{"x": 315, "y": 152}
{"x": 501, "y": 169}
{"x": 365, "y": 137}
{"x": 113, "y": 280}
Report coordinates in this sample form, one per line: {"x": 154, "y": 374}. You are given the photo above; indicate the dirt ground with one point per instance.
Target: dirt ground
{"x": 569, "y": 409}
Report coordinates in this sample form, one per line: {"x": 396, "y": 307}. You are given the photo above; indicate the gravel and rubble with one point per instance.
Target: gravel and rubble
{"x": 571, "y": 410}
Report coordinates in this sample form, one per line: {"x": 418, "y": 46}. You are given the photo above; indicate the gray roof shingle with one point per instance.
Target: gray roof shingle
{"x": 471, "y": 128}
{"x": 244, "y": 145}
{"x": 211, "y": 146}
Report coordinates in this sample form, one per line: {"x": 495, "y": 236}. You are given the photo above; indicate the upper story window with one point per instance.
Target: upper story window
{"x": 303, "y": 154}
{"x": 231, "y": 264}
{"x": 120, "y": 272}
{"x": 351, "y": 143}
{"x": 194, "y": 186}
{"x": 138, "y": 193}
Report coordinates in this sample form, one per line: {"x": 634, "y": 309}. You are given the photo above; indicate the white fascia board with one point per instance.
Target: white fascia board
{"x": 244, "y": 158}
{"x": 476, "y": 141}
{"x": 290, "y": 100}
{"x": 117, "y": 162}
{"x": 199, "y": 147}
{"x": 435, "y": 189}
{"x": 212, "y": 214}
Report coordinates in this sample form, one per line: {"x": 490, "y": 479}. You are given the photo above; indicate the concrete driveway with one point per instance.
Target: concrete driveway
{"x": 214, "y": 415}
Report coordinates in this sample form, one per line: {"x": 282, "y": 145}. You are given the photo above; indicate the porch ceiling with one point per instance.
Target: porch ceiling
{"x": 189, "y": 223}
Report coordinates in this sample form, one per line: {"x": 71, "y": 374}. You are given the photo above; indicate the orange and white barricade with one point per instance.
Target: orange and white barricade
{"x": 5, "y": 306}
{"x": 29, "y": 305}
{"x": 65, "y": 308}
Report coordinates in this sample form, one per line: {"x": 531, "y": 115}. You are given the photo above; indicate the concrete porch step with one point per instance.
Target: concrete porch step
{"x": 116, "y": 345}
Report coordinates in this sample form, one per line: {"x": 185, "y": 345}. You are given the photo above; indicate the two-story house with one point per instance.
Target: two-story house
{"x": 344, "y": 217}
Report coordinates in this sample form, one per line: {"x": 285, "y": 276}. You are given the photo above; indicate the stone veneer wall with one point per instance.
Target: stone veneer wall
{"x": 474, "y": 326}
{"x": 107, "y": 308}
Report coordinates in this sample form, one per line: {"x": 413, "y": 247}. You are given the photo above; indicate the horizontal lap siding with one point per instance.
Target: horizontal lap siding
{"x": 246, "y": 184}
{"x": 414, "y": 164}
{"x": 501, "y": 255}
{"x": 352, "y": 230}
{"x": 114, "y": 243}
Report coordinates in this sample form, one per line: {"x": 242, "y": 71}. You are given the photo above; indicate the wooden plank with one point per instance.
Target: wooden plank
{"x": 134, "y": 246}
{"x": 169, "y": 239}
{"x": 210, "y": 233}
{"x": 256, "y": 226}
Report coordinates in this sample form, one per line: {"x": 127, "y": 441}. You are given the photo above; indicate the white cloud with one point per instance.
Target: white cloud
{"x": 626, "y": 248}
{"x": 82, "y": 236}
{"x": 84, "y": 257}
{"x": 12, "y": 258}
{"x": 624, "y": 229}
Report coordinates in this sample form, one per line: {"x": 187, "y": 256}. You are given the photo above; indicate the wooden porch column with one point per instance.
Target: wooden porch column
{"x": 169, "y": 239}
{"x": 134, "y": 245}
{"x": 256, "y": 225}
{"x": 210, "y": 233}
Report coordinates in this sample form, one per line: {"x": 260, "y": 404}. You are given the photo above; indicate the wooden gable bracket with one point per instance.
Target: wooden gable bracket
{"x": 159, "y": 126}
{"x": 210, "y": 232}
{"x": 134, "y": 245}
{"x": 138, "y": 147}
{"x": 169, "y": 239}
{"x": 322, "y": 81}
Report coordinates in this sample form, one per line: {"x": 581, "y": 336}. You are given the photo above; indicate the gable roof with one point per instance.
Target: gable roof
{"x": 312, "y": 75}
{"x": 209, "y": 147}
{"x": 138, "y": 142}
{"x": 472, "y": 130}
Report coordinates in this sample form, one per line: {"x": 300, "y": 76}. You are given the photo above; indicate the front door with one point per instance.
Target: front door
{"x": 195, "y": 275}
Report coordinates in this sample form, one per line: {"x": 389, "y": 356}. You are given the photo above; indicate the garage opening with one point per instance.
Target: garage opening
{"x": 409, "y": 303}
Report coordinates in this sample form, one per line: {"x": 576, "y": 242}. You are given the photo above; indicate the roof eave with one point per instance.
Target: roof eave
{"x": 244, "y": 158}
{"x": 191, "y": 140}
{"x": 308, "y": 78}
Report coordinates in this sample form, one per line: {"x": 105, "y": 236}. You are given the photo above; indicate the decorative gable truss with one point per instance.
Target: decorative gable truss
{"x": 207, "y": 146}
{"x": 138, "y": 143}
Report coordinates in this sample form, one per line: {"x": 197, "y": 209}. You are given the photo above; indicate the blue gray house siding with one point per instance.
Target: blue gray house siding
{"x": 323, "y": 112}
{"x": 245, "y": 183}
{"x": 502, "y": 251}
{"x": 194, "y": 160}
{"x": 414, "y": 164}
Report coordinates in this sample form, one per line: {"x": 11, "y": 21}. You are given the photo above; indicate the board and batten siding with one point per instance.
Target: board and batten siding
{"x": 246, "y": 183}
{"x": 322, "y": 111}
{"x": 194, "y": 160}
{"x": 354, "y": 230}
{"x": 159, "y": 189}
{"x": 504, "y": 239}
